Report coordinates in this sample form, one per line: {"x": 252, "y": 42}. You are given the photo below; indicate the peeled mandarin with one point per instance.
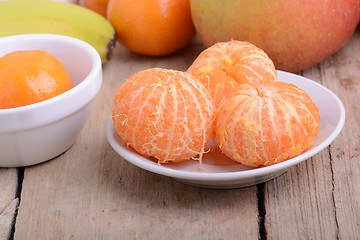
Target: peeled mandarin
{"x": 268, "y": 124}
{"x": 164, "y": 114}
{"x": 226, "y": 64}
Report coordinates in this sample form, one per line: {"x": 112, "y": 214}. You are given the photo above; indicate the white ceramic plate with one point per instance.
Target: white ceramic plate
{"x": 221, "y": 172}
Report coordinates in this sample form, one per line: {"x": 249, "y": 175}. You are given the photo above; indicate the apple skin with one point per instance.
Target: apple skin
{"x": 296, "y": 34}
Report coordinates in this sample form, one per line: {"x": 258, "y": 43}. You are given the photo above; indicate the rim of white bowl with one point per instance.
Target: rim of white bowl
{"x": 95, "y": 75}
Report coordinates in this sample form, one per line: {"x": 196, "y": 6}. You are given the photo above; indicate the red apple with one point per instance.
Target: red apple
{"x": 296, "y": 34}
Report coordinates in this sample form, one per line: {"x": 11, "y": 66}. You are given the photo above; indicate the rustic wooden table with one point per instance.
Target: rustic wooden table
{"x": 90, "y": 192}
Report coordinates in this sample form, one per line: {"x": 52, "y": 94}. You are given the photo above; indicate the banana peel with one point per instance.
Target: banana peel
{"x": 25, "y": 17}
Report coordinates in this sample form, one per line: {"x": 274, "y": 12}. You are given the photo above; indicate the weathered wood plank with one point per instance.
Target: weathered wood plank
{"x": 299, "y": 204}
{"x": 344, "y": 80}
{"x": 90, "y": 192}
{"x": 320, "y": 198}
{"x": 8, "y": 200}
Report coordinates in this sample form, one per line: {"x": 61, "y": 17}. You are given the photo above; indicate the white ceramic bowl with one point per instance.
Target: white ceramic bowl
{"x": 38, "y": 132}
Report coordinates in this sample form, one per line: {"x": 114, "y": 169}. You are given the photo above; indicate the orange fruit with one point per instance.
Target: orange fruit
{"x": 226, "y": 64}
{"x": 98, "y": 6}
{"x": 268, "y": 124}
{"x": 152, "y": 27}
{"x": 165, "y": 114}
{"x": 31, "y": 76}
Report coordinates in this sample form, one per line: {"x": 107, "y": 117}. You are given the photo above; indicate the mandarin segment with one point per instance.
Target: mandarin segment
{"x": 31, "y": 76}
{"x": 165, "y": 114}
{"x": 268, "y": 124}
{"x": 224, "y": 64}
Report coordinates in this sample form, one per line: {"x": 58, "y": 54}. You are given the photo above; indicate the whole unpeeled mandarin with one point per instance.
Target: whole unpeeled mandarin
{"x": 165, "y": 114}
{"x": 98, "y": 6}
{"x": 152, "y": 27}
{"x": 268, "y": 124}
{"x": 31, "y": 76}
{"x": 226, "y": 64}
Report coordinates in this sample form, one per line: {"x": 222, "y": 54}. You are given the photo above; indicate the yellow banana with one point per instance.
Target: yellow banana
{"x": 22, "y": 17}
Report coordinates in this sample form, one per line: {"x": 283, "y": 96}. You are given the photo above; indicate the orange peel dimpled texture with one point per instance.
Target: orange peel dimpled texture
{"x": 152, "y": 27}
{"x": 31, "y": 76}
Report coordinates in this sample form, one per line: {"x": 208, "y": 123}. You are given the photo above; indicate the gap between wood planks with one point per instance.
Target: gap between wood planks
{"x": 261, "y": 210}
{"x": 20, "y": 173}
{"x": 332, "y": 192}
{"x": 318, "y": 66}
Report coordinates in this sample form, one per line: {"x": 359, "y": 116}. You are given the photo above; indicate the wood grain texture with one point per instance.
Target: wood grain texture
{"x": 8, "y": 200}
{"x": 300, "y": 203}
{"x": 344, "y": 80}
{"x": 90, "y": 192}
